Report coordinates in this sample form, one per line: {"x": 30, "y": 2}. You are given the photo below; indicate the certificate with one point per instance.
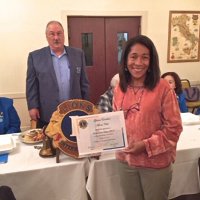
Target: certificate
{"x": 100, "y": 132}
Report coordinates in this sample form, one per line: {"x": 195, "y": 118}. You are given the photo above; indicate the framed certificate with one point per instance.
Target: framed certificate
{"x": 99, "y": 133}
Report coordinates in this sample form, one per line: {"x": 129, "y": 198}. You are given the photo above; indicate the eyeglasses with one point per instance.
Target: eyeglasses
{"x": 134, "y": 107}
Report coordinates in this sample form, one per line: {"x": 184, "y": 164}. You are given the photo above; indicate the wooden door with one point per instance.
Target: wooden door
{"x": 100, "y": 38}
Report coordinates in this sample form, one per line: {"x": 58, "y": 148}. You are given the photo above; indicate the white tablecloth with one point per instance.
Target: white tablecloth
{"x": 34, "y": 178}
{"x": 186, "y": 173}
{"x": 103, "y": 179}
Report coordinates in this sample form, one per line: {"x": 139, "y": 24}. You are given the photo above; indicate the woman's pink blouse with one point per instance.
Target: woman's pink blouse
{"x": 156, "y": 122}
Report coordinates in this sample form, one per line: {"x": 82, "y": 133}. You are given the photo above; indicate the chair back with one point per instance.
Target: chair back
{"x": 185, "y": 83}
{"x": 33, "y": 124}
{"x": 187, "y": 86}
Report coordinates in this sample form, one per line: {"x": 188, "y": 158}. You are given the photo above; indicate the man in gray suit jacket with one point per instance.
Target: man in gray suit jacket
{"x": 55, "y": 73}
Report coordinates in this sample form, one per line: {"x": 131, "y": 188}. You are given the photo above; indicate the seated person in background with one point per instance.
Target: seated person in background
{"x": 9, "y": 119}
{"x": 175, "y": 83}
{"x": 105, "y": 102}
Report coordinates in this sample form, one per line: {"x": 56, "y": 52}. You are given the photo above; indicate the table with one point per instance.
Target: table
{"x": 103, "y": 179}
{"x": 32, "y": 177}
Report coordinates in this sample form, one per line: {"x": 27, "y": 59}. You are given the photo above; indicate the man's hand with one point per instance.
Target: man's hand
{"x": 34, "y": 114}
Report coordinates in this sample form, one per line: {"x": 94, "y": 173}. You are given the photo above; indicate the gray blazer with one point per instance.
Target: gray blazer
{"x": 41, "y": 84}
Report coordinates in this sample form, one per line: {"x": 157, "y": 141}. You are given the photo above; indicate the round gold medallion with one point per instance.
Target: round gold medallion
{"x": 60, "y": 128}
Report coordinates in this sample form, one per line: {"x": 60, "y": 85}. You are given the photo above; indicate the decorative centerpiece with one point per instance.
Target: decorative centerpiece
{"x": 59, "y": 129}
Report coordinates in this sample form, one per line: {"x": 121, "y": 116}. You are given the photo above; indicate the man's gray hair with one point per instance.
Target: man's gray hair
{"x": 53, "y": 22}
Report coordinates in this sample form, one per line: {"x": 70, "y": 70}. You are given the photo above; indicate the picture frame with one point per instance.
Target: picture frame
{"x": 184, "y": 36}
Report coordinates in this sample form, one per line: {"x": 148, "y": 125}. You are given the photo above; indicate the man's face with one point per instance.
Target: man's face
{"x": 55, "y": 37}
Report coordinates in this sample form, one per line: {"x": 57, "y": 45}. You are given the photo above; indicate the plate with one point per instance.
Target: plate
{"x": 32, "y": 136}
{"x": 9, "y": 141}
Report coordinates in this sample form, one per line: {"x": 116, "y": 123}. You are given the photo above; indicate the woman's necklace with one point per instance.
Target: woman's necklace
{"x": 135, "y": 107}
{"x": 136, "y": 89}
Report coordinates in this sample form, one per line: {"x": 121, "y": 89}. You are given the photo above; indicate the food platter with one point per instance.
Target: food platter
{"x": 32, "y": 136}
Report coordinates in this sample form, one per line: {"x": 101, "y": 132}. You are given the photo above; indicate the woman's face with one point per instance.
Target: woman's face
{"x": 171, "y": 81}
{"x": 138, "y": 63}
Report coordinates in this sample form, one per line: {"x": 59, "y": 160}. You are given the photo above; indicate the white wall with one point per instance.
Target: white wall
{"x": 23, "y": 24}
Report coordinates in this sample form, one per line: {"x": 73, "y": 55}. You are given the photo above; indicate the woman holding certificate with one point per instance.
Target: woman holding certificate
{"x": 153, "y": 123}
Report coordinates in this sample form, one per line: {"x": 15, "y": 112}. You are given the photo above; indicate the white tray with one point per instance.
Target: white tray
{"x": 13, "y": 144}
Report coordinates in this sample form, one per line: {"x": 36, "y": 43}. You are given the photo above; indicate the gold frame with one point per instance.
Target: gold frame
{"x": 184, "y": 36}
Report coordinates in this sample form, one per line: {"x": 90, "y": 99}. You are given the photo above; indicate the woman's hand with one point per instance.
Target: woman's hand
{"x": 135, "y": 148}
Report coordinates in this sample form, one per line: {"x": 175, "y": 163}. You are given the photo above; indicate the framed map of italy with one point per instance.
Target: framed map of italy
{"x": 184, "y": 36}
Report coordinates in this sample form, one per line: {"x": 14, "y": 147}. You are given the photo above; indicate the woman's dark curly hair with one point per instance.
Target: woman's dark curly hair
{"x": 153, "y": 73}
{"x": 178, "y": 89}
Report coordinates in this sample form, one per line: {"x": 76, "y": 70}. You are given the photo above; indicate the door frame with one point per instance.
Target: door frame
{"x": 66, "y": 13}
